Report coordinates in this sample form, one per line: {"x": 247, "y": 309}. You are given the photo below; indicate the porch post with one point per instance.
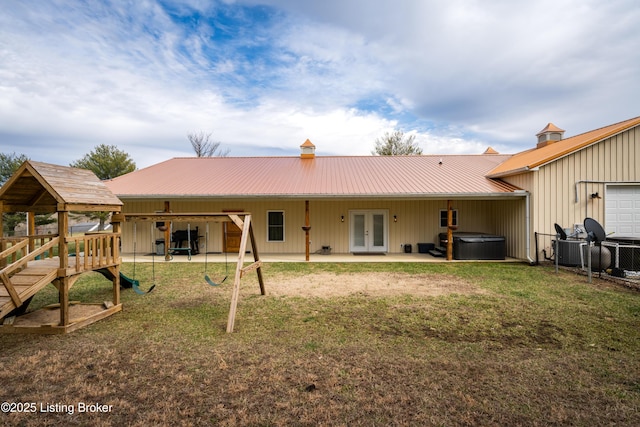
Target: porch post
{"x": 167, "y": 233}
{"x": 306, "y": 229}
{"x": 450, "y": 228}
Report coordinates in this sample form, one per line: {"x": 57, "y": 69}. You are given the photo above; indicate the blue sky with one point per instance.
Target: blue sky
{"x": 263, "y": 76}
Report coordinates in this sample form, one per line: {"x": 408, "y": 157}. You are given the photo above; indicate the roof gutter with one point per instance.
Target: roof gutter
{"x": 512, "y": 172}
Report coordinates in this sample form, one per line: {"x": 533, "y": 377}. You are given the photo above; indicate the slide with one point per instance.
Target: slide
{"x": 127, "y": 282}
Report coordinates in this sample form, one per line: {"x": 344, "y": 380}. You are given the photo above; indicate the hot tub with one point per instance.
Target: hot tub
{"x": 476, "y": 246}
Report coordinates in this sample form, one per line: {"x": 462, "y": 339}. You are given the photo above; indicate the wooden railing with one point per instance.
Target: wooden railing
{"x": 87, "y": 252}
{"x": 14, "y": 248}
{"x": 11, "y": 268}
{"x": 41, "y": 240}
{"x": 94, "y": 250}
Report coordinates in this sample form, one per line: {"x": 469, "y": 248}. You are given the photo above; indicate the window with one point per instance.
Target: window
{"x": 443, "y": 218}
{"x": 275, "y": 226}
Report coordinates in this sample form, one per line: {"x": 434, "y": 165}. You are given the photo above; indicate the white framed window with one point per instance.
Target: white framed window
{"x": 275, "y": 226}
{"x": 443, "y": 218}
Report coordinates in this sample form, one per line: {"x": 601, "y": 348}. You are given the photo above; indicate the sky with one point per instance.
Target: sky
{"x": 262, "y": 76}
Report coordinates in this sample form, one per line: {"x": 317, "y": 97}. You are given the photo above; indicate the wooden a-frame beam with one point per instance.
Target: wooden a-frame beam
{"x": 36, "y": 199}
{"x": 181, "y": 217}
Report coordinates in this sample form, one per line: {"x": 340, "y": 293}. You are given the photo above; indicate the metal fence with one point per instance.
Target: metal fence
{"x": 621, "y": 256}
{"x": 624, "y": 256}
{"x": 545, "y": 247}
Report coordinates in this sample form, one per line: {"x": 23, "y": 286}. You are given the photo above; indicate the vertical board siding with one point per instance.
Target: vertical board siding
{"x": 418, "y": 221}
{"x": 553, "y": 186}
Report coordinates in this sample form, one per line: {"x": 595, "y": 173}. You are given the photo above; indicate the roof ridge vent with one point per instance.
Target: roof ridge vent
{"x": 549, "y": 135}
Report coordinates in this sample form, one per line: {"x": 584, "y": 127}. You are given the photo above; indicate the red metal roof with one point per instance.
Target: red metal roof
{"x": 361, "y": 176}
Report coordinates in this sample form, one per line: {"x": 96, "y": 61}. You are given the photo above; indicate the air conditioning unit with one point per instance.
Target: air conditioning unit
{"x": 568, "y": 252}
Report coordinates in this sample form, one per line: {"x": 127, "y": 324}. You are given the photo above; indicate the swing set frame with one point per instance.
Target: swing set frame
{"x": 226, "y": 260}
{"x": 240, "y": 219}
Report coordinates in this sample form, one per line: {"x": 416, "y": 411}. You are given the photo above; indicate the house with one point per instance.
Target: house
{"x": 356, "y": 203}
{"x": 381, "y": 204}
{"x": 595, "y": 174}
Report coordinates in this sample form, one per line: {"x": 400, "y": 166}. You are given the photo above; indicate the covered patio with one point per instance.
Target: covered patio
{"x": 295, "y": 257}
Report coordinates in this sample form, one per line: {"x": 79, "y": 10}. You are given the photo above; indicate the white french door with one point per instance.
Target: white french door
{"x": 368, "y": 231}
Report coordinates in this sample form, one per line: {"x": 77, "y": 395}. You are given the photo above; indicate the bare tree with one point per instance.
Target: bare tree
{"x": 204, "y": 146}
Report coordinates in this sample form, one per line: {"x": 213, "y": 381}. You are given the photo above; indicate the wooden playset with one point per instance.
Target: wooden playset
{"x": 29, "y": 263}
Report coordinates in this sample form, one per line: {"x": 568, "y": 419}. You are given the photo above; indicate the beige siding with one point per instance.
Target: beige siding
{"x": 417, "y": 222}
{"x": 553, "y": 186}
{"x": 509, "y": 220}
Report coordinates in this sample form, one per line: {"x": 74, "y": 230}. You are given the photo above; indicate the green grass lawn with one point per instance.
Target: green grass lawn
{"x": 531, "y": 347}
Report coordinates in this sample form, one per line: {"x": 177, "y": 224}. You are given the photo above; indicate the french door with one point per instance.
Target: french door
{"x": 368, "y": 230}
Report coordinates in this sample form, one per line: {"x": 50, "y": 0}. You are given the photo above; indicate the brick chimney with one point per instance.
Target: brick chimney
{"x": 549, "y": 135}
{"x": 307, "y": 150}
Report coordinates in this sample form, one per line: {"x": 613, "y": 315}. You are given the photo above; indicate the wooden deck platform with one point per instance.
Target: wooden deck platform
{"x": 47, "y": 319}
{"x": 18, "y": 286}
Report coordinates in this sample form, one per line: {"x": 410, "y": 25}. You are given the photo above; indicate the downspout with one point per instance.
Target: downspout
{"x": 527, "y": 221}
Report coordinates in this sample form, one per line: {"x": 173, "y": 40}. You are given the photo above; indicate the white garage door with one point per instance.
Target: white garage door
{"x": 623, "y": 210}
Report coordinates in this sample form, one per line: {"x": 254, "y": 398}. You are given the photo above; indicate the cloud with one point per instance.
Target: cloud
{"x": 486, "y": 66}
{"x": 263, "y": 76}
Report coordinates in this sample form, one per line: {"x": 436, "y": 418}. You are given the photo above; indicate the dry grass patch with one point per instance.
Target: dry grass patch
{"x": 374, "y": 284}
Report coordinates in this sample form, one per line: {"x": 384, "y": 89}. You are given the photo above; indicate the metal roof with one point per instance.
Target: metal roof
{"x": 319, "y": 177}
{"x": 530, "y": 159}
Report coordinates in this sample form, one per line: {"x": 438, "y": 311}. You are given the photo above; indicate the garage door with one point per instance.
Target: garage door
{"x": 622, "y": 215}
